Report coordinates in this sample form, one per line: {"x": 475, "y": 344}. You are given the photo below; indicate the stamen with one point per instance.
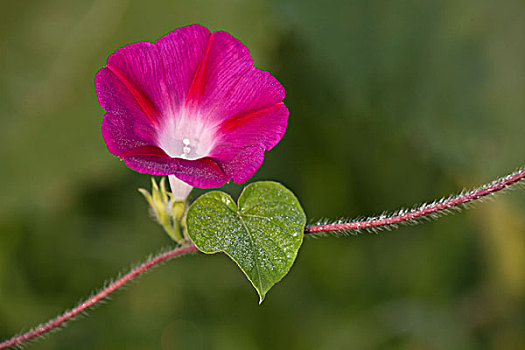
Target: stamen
{"x": 182, "y": 139}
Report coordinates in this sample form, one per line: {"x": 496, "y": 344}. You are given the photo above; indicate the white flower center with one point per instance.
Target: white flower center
{"x": 186, "y": 137}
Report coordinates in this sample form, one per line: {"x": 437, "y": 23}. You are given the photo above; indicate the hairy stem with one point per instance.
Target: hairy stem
{"x": 407, "y": 216}
{"x": 423, "y": 210}
{"x": 85, "y": 305}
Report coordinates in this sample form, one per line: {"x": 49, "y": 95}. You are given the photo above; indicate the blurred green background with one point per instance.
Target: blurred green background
{"x": 392, "y": 103}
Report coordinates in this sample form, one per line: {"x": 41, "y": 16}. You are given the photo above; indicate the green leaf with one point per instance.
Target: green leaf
{"x": 262, "y": 234}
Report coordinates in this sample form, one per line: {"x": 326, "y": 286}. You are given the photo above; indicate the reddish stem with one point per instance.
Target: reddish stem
{"x": 355, "y": 225}
{"x": 82, "y": 307}
{"x": 424, "y": 210}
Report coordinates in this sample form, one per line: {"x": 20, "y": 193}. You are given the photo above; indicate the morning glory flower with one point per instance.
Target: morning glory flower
{"x": 192, "y": 106}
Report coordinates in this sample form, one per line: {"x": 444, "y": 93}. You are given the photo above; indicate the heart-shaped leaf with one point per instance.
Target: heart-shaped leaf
{"x": 262, "y": 234}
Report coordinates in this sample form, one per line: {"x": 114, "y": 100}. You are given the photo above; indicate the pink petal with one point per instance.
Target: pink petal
{"x": 203, "y": 172}
{"x": 122, "y": 135}
{"x": 182, "y": 52}
{"x": 245, "y": 137}
{"x": 264, "y": 127}
{"x": 227, "y": 83}
{"x": 140, "y": 71}
{"x": 117, "y": 99}
{"x": 244, "y": 164}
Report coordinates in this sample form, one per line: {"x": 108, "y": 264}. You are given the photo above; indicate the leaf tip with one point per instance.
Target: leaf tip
{"x": 261, "y": 297}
